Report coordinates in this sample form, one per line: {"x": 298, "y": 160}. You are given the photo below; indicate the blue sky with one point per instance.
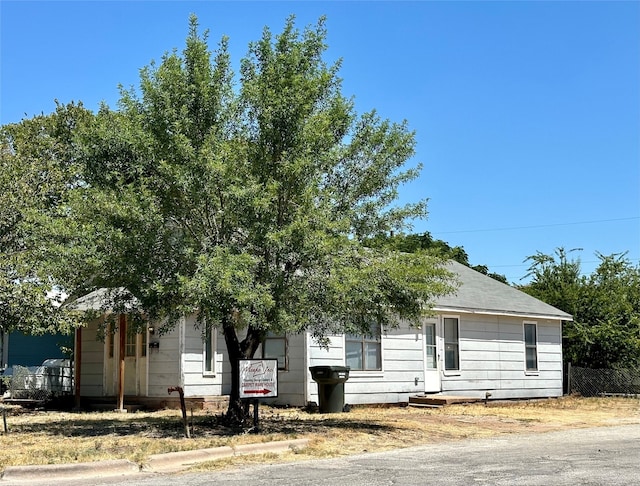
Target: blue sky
{"x": 527, "y": 114}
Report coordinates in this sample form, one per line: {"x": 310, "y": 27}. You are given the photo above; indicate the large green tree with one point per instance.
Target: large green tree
{"x": 605, "y": 306}
{"x": 248, "y": 202}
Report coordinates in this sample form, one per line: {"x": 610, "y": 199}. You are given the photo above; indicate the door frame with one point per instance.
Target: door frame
{"x": 118, "y": 367}
{"x": 432, "y": 376}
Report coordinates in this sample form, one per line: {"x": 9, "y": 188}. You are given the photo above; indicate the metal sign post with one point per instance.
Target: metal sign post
{"x": 258, "y": 379}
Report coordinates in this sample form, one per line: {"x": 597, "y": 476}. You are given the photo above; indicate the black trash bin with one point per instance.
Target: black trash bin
{"x": 330, "y": 381}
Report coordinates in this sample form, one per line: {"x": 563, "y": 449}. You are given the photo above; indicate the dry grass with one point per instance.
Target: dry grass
{"x": 37, "y": 437}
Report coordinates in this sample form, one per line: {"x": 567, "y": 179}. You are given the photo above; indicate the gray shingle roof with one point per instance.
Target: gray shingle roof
{"x": 103, "y": 299}
{"x": 481, "y": 294}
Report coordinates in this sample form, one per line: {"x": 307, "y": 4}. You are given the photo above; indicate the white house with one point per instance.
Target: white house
{"x": 487, "y": 337}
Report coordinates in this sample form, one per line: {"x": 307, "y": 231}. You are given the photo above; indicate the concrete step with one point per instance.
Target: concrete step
{"x": 440, "y": 400}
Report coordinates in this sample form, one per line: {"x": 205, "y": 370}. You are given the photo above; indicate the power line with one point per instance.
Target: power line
{"x": 513, "y": 279}
{"x": 536, "y": 226}
{"x": 529, "y": 264}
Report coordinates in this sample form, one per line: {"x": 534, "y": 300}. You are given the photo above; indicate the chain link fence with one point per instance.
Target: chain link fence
{"x": 40, "y": 383}
{"x": 604, "y": 382}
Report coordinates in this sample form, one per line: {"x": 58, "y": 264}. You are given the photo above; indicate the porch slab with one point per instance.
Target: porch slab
{"x": 111, "y": 407}
{"x": 440, "y": 400}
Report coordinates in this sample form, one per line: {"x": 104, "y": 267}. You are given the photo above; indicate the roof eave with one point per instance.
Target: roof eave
{"x": 491, "y": 312}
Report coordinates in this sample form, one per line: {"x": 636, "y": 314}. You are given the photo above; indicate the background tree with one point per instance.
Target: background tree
{"x": 605, "y": 306}
{"x": 410, "y": 243}
{"x": 249, "y": 205}
{"x": 37, "y": 170}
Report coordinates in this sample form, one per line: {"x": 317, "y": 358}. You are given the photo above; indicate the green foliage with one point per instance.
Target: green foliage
{"x": 37, "y": 171}
{"x": 605, "y": 305}
{"x": 556, "y": 280}
{"x": 248, "y": 204}
{"x": 411, "y": 243}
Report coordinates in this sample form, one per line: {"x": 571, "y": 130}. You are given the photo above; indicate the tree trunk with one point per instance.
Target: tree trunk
{"x": 238, "y": 411}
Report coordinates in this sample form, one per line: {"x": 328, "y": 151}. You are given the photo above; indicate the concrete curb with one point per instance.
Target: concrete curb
{"x": 271, "y": 447}
{"x": 160, "y": 463}
{"x": 176, "y": 461}
{"x": 99, "y": 469}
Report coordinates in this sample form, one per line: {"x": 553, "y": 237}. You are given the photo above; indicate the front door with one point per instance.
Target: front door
{"x": 135, "y": 364}
{"x": 131, "y": 365}
{"x": 431, "y": 371}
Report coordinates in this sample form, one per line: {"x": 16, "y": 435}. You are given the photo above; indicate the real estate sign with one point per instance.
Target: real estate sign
{"x": 258, "y": 378}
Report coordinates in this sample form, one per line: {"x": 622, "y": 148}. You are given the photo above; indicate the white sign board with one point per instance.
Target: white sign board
{"x": 258, "y": 378}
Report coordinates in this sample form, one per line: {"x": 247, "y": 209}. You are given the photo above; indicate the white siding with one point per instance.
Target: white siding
{"x": 402, "y": 371}
{"x": 291, "y": 382}
{"x": 92, "y": 371}
{"x": 333, "y": 355}
{"x": 196, "y": 382}
{"x": 163, "y": 363}
{"x": 492, "y": 359}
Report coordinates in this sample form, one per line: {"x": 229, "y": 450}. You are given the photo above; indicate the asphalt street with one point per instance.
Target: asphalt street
{"x": 592, "y": 456}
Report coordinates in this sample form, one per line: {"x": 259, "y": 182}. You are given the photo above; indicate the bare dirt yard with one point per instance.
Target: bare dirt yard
{"x": 48, "y": 437}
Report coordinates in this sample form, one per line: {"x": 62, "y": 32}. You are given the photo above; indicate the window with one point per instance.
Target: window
{"x": 531, "y": 346}
{"x": 209, "y": 351}
{"x": 275, "y": 347}
{"x": 451, "y": 343}
{"x": 430, "y": 345}
{"x": 110, "y": 342}
{"x": 143, "y": 343}
{"x": 130, "y": 345}
{"x": 364, "y": 353}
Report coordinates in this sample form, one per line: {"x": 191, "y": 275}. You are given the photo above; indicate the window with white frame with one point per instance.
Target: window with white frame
{"x": 275, "y": 347}
{"x": 531, "y": 346}
{"x": 363, "y": 352}
{"x": 131, "y": 344}
{"x": 209, "y": 351}
{"x": 430, "y": 345}
{"x": 451, "y": 344}
{"x": 135, "y": 344}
